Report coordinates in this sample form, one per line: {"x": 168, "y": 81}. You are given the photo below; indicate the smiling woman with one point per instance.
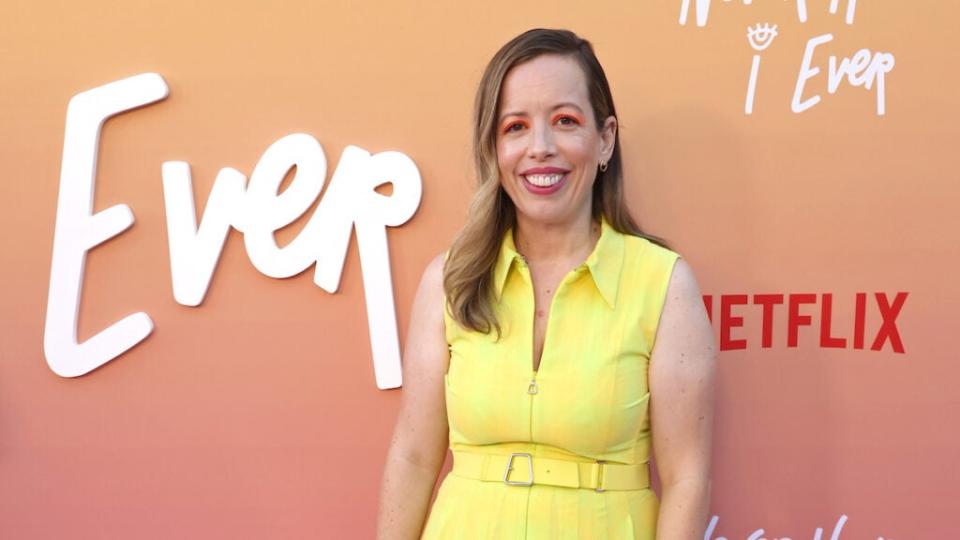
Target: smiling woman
{"x": 568, "y": 334}
{"x": 548, "y": 141}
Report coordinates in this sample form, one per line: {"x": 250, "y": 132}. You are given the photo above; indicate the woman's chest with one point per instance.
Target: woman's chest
{"x": 589, "y": 393}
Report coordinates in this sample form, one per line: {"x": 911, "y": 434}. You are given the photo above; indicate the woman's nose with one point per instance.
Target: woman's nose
{"x": 541, "y": 142}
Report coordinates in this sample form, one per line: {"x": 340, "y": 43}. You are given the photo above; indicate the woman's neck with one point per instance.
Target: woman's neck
{"x": 540, "y": 242}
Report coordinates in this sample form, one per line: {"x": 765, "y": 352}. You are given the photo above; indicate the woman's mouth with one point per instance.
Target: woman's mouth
{"x": 543, "y": 184}
{"x": 543, "y": 180}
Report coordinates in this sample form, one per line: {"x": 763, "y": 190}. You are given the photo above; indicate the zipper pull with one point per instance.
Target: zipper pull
{"x": 532, "y": 387}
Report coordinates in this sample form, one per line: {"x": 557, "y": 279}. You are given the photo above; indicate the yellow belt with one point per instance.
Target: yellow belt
{"x": 524, "y": 469}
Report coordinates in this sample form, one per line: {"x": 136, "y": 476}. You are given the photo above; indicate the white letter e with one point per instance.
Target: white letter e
{"x": 78, "y": 229}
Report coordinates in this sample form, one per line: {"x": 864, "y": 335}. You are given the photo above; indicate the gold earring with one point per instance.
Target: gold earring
{"x": 603, "y": 166}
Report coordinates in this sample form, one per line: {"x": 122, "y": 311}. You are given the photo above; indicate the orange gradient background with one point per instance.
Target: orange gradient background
{"x": 256, "y": 415}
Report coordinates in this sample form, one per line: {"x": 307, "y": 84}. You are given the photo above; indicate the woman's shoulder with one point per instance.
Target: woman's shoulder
{"x": 427, "y": 312}
{"x": 646, "y": 248}
{"x": 432, "y": 278}
{"x": 652, "y": 269}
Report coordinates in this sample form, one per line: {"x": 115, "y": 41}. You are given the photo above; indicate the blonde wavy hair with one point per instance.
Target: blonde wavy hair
{"x": 468, "y": 272}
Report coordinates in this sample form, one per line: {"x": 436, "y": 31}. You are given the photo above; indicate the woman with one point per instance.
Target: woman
{"x": 570, "y": 344}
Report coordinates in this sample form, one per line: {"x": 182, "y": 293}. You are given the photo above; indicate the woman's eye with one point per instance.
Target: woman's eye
{"x": 567, "y": 121}
{"x": 516, "y": 126}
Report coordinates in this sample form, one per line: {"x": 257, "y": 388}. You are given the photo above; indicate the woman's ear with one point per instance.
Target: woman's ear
{"x": 608, "y": 137}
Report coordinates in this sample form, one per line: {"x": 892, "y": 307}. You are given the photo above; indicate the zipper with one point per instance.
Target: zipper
{"x": 532, "y": 387}
{"x": 532, "y": 390}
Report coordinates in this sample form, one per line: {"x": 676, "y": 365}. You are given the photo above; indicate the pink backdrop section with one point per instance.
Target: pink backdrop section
{"x": 256, "y": 414}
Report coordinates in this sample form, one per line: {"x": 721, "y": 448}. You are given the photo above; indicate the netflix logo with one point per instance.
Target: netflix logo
{"x": 800, "y": 310}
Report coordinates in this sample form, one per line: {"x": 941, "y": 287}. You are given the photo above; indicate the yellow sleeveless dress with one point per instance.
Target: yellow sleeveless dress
{"x": 588, "y": 401}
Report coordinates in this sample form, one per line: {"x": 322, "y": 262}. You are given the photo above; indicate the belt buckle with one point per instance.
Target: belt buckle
{"x": 599, "y": 489}
{"x": 506, "y": 471}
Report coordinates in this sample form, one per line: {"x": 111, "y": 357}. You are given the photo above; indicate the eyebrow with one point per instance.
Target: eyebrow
{"x": 555, "y": 107}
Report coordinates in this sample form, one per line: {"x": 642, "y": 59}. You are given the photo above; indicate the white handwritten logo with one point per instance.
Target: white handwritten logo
{"x": 864, "y": 68}
{"x": 257, "y": 210}
{"x": 760, "y": 37}
{"x": 758, "y": 534}
{"x": 702, "y": 9}
{"x": 851, "y": 9}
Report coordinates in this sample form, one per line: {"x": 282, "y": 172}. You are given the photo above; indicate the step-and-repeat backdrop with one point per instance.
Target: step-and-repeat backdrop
{"x": 215, "y": 217}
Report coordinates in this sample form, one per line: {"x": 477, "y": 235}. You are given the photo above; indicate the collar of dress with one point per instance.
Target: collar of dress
{"x": 604, "y": 263}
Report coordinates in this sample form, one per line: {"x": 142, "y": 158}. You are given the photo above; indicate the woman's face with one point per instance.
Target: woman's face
{"x": 548, "y": 145}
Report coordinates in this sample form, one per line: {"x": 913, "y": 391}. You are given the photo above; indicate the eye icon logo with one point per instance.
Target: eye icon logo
{"x": 760, "y": 37}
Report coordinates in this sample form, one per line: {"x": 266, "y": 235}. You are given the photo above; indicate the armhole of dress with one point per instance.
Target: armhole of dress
{"x": 660, "y": 298}
{"x": 443, "y": 305}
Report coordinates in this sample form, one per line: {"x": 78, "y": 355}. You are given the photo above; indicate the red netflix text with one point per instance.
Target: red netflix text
{"x": 799, "y": 308}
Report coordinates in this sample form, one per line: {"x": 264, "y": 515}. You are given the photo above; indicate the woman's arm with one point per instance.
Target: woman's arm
{"x": 682, "y": 372}
{"x": 419, "y": 444}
